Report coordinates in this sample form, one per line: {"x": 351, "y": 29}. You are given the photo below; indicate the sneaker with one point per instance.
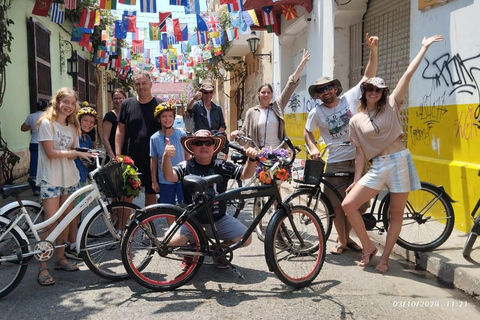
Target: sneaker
{"x": 36, "y": 193}
{"x": 186, "y": 263}
{"x": 72, "y": 254}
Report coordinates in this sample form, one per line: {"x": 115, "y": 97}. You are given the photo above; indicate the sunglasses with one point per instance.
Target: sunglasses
{"x": 208, "y": 92}
{"x": 321, "y": 90}
{"x": 199, "y": 143}
{"x": 373, "y": 89}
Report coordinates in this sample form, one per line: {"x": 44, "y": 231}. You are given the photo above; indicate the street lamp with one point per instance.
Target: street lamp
{"x": 253, "y": 42}
{"x": 72, "y": 66}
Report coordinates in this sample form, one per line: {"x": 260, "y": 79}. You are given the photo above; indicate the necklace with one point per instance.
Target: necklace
{"x": 266, "y": 123}
{"x": 328, "y": 116}
{"x": 375, "y": 127}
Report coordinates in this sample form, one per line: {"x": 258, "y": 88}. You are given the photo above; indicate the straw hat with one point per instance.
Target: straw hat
{"x": 203, "y": 135}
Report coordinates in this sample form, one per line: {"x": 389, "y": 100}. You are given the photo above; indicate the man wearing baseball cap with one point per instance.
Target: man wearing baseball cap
{"x": 332, "y": 116}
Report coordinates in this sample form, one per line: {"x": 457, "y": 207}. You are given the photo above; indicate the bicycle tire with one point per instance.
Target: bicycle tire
{"x": 102, "y": 254}
{"x": 12, "y": 270}
{"x": 472, "y": 237}
{"x": 166, "y": 270}
{"x": 35, "y": 212}
{"x": 322, "y": 205}
{"x": 428, "y": 219}
{"x": 295, "y": 266}
{"x": 235, "y": 205}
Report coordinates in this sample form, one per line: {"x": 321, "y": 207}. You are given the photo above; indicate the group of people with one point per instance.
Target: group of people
{"x": 142, "y": 128}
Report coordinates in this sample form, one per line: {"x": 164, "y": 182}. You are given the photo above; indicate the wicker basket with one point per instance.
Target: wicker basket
{"x": 109, "y": 180}
{"x": 312, "y": 172}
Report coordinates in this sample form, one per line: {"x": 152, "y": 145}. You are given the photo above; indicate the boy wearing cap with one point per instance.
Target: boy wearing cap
{"x": 332, "y": 117}
{"x": 206, "y": 114}
{"x": 203, "y": 146}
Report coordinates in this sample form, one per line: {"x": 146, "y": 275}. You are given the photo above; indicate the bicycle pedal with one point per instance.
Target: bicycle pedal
{"x": 235, "y": 270}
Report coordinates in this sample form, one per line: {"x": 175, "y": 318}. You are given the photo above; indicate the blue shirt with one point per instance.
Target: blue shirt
{"x": 82, "y": 165}
{"x": 157, "y": 147}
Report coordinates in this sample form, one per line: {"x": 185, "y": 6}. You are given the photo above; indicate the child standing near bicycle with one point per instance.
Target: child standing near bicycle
{"x": 57, "y": 175}
{"x": 165, "y": 115}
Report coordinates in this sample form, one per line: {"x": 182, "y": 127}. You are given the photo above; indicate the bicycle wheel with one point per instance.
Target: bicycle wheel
{"x": 12, "y": 266}
{"x": 102, "y": 254}
{"x": 168, "y": 266}
{"x": 295, "y": 261}
{"x": 428, "y": 219}
{"x": 234, "y": 206}
{"x": 35, "y": 211}
{"x": 320, "y": 205}
{"x": 472, "y": 237}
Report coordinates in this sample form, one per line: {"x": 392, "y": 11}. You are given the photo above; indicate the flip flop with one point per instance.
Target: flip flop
{"x": 338, "y": 249}
{"x": 354, "y": 246}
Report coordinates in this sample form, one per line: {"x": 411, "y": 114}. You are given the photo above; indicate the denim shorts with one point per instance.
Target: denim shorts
{"x": 395, "y": 171}
{"x": 47, "y": 191}
{"x": 228, "y": 228}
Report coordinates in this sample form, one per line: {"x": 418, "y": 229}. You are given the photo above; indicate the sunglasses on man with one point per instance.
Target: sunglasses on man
{"x": 199, "y": 143}
{"x": 207, "y": 92}
{"x": 321, "y": 90}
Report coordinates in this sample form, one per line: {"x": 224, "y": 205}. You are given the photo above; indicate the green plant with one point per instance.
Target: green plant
{"x": 6, "y": 39}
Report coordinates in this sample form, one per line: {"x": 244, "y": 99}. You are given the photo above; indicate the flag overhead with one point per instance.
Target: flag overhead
{"x": 41, "y": 7}
{"x": 192, "y": 6}
{"x": 58, "y": 13}
{"x": 237, "y": 5}
{"x": 71, "y": 4}
{"x": 154, "y": 30}
{"x": 87, "y": 20}
{"x": 105, "y": 4}
{"x": 128, "y": 2}
{"x": 162, "y": 18}
{"x": 268, "y": 16}
{"x": 289, "y": 12}
{"x": 148, "y": 6}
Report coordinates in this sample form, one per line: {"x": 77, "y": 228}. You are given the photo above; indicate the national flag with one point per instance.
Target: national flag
{"x": 87, "y": 20}
{"x": 170, "y": 27}
{"x": 289, "y": 12}
{"x": 154, "y": 30}
{"x": 130, "y": 21}
{"x": 192, "y": 6}
{"x": 250, "y": 17}
{"x": 268, "y": 15}
{"x": 232, "y": 33}
{"x": 177, "y": 32}
{"x": 235, "y": 18}
{"x": 85, "y": 42}
{"x": 120, "y": 31}
{"x": 177, "y": 2}
{"x": 192, "y": 39}
{"x": 235, "y": 6}
{"x": 202, "y": 37}
{"x": 58, "y": 13}
{"x": 97, "y": 18}
{"x": 184, "y": 29}
{"x": 71, "y": 4}
{"x": 226, "y": 1}
{"x": 128, "y": 2}
{"x": 76, "y": 34}
{"x": 107, "y": 4}
{"x": 213, "y": 23}
{"x": 162, "y": 18}
{"x": 41, "y": 7}
{"x": 201, "y": 25}
{"x": 137, "y": 46}
{"x": 164, "y": 42}
{"x": 172, "y": 40}
{"x": 106, "y": 35}
{"x": 148, "y": 6}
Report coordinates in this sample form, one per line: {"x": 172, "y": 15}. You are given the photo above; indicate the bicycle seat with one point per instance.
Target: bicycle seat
{"x": 13, "y": 190}
{"x": 196, "y": 183}
{"x": 238, "y": 158}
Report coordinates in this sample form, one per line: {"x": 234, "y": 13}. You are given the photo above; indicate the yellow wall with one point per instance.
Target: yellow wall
{"x": 444, "y": 142}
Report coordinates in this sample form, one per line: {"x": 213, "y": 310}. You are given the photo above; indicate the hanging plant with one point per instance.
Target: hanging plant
{"x": 6, "y": 39}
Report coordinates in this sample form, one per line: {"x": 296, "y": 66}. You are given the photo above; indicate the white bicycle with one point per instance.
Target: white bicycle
{"x": 98, "y": 241}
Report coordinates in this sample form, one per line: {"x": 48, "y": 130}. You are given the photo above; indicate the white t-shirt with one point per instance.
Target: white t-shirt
{"x": 31, "y": 121}
{"x": 268, "y": 128}
{"x": 57, "y": 172}
{"x": 333, "y": 124}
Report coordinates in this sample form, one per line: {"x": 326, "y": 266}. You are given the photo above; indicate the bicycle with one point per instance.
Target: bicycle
{"x": 474, "y": 232}
{"x": 428, "y": 218}
{"x": 294, "y": 251}
{"x": 97, "y": 237}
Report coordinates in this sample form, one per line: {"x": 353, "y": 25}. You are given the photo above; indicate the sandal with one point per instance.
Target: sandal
{"x": 70, "y": 266}
{"x": 366, "y": 263}
{"x": 338, "y": 249}
{"x": 352, "y": 245}
{"x": 43, "y": 280}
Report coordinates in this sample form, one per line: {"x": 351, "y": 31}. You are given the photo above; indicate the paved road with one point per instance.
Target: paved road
{"x": 341, "y": 291}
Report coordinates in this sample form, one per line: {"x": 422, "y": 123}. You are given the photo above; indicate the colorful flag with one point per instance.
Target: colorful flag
{"x": 162, "y": 18}
{"x": 71, "y": 4}
{"x": 120, "y": 31}
{"x": 137, "y": 46}
{"x": 85, "y": 42}
{"x": 268, "y": 15}
{"x": 97, "y": 18}
{"x": 76, "y": 34}
{"x": 202, "y": 37}
{"x": 105, "y": 4}
{"x": 184, "y": 29}
{"x": 235, "y": 19}
{"x": 41, "y": 7}
{"x": 192, "y": 6}
{"x": 87, "y": 21}
{"x": 289, "y": 12}
{"x": 250, "y": 17}
{"x": 128, "y": 2}
{"x": 177, "y": 2}
{"x": 235, "y": 6}
{"x": 58, "y": 13}
{"x": 177, "y": 32}
{"x": 213, "y": 23}
{"x": 201, "y": 25}
{"x": 148, "y": 6}
{"x": 129, "y": 19}
{"x": 154, "y": 30}
{"x": 164, "y": 42}
{"x": 226, "y": 1}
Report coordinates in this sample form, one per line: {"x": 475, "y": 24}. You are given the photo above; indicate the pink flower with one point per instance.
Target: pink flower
{"x": 134, "y": 183}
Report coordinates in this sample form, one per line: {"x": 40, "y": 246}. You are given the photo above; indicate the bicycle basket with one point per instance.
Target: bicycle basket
{"x": 109, "y": 180}
{"x": 312, "y": 172}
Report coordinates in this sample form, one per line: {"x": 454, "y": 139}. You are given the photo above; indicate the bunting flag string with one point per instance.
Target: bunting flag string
{"x": 58, "y": 13}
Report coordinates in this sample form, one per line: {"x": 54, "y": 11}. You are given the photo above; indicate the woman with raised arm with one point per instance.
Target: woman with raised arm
{"x": 376, "y": 132}
{"x": 264, "y": 123}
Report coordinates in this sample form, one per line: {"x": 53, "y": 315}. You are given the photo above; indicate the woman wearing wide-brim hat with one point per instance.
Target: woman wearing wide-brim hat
{"x": 264, "y": 123}
{"x": 376, "y": 132}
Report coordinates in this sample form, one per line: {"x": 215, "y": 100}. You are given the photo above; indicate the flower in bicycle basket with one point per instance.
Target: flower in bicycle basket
{"x": 131, "y": 181}
{"x": 269, "y": 156}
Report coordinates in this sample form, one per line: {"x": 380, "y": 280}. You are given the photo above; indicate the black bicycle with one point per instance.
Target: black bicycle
{"x": 428, "y": 218}
{"x": 294, "y": 246}
{"x": 474, "y": 232}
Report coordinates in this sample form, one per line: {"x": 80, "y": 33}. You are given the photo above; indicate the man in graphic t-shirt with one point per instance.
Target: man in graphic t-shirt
{"x": 332, "y": 117}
